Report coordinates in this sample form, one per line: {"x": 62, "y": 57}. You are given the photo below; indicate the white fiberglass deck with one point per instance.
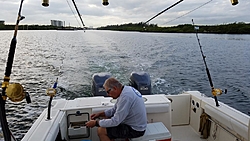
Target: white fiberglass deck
{"x": 185, "y": 133}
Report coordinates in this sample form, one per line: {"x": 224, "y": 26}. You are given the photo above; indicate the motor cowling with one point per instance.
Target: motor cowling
{"x": 141, "y": 81}
{"x": 98, "y": 80}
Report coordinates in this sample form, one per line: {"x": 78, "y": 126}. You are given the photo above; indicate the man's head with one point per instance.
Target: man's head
{"x": 113, "y": 87}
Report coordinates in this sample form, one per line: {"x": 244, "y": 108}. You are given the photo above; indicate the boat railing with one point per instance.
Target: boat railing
{"x": 237, "y": 125}
{"x": 225, "y": 129}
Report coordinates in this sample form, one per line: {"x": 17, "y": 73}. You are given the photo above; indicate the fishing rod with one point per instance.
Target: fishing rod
{"x": 73, "y": 13}
{"x": 51, "y": 92}
{"x": 163, "y": 11}
{"x": 78, "y": 12}
{"x": 215, "y": 92}
{"x": 13, "y": 91}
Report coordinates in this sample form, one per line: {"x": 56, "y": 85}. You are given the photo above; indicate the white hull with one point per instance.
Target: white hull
{"x": 179, "y": 117}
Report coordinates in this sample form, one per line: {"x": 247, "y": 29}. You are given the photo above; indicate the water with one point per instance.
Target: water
{"x": 173, "y": 61}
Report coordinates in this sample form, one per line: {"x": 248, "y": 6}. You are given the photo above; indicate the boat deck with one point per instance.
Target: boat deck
{"x": 185, "y": 133}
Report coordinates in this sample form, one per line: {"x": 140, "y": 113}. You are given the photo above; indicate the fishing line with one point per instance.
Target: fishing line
{"x": 73, "y": 13}
{"x": 163, "y": 11}
{"x": 189, "y": 12}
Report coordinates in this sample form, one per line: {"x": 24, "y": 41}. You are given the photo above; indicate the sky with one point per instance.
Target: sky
{"x": 94, "y": 14}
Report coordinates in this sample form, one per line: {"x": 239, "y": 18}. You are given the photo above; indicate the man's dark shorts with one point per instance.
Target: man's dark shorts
{"x": 123, "y": 131}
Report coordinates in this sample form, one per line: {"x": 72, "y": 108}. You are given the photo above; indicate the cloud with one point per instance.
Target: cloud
{"x": 126, "y": 11}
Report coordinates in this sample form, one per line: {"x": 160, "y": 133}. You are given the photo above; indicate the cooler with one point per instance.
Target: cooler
{"x": 155, "y": 131}
{"x": 76, "y": 125}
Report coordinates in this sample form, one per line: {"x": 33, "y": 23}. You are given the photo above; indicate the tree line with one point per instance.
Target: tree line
{"x": 37, "y": 27}
{"x": 231, "y": 28}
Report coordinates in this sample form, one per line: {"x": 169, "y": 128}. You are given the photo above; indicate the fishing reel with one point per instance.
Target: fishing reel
{"x": 51, "y": 92}
{"x": 217, "y": 92}
{"x": 16, "y": 93}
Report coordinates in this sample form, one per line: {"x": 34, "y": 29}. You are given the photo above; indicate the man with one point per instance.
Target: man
{"x": 127, "y": 119}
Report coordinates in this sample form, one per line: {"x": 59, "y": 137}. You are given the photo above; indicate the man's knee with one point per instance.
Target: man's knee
{"x": 101, "y": 131}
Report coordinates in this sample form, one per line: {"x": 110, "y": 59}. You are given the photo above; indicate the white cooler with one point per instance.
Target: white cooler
{"x": 155, "y": 131}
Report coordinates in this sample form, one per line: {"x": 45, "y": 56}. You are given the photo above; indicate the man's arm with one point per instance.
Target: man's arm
{"x": 120, "y": 114}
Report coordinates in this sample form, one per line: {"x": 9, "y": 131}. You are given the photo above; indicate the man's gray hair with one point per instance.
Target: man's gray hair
{"x": 112, "y": 82}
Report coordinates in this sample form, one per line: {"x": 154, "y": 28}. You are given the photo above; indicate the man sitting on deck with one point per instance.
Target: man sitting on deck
{"x": 127, "y": 119}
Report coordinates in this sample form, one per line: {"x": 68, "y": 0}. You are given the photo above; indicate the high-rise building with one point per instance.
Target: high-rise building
{"x": 57, "y": 23}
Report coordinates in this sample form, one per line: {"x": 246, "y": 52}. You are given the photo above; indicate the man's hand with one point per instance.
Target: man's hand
{"x": 91, "y": 123}
{"x": 93, "y": 116}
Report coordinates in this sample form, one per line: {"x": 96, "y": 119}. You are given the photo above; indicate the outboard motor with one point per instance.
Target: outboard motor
{"x": 98, "y": 80}
{"x": 141, "y": 82}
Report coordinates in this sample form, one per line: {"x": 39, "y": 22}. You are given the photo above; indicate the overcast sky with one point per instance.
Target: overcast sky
{"x": 126, "y": 11}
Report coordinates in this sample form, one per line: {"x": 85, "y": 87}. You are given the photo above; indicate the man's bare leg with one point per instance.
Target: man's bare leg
{"x": 102, "y": 133}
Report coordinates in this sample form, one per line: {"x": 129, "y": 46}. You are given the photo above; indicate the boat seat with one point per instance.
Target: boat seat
{"x": 155, "y": 131}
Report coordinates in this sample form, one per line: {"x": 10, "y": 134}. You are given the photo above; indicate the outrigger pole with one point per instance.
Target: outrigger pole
{"x": 4, "y": 123}
{"x": 215, "y": 92}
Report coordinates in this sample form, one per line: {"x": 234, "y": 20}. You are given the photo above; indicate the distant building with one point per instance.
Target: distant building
{"x": 57, "y": 23}
{"x": 2, "y": 22}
